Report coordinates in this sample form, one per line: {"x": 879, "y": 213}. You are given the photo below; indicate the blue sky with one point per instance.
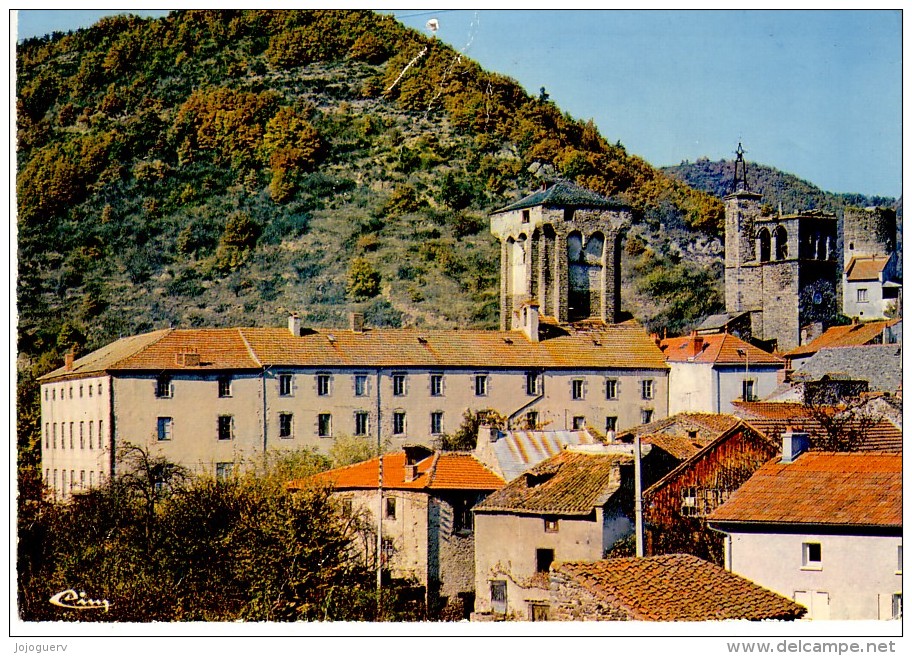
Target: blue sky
{"x": 814, "y": 93}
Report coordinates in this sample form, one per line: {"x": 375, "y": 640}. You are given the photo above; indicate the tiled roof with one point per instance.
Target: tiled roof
{"x": 440, "y": 471}
{"x": 517, "y": 451}
{"x": 716, "y": 349}
{"x": 677, "y": 588}
{"x": 563, "y": 194}
{"x": 570, "y": 483}
{"x": 604, "y": 346}
{"x": 840, "y": 489}
{"x": 707, "y": 425}
{"x": 680, "y": 447}
{"x": 857, "y": 334}
{"x": 879, "y": 364}
{"x": 865, "y": 268}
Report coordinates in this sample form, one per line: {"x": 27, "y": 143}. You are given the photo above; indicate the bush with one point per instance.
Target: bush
{"x": 363, "y": 280}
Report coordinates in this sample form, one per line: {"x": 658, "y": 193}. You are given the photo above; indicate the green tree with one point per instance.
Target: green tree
{"x": 363, "y": 280}
{"x": 466, "y": 436}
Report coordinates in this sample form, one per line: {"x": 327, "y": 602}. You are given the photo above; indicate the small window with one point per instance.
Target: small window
{"x": 361, "y": 423}
{"x": 579, "y": 423}
{"x": 811, "y": 555}
{"x": 71, "y": 434}
{"x": 398, "y": 384}
{"x": 611, "y": 423}
{"x": 286, "y": 425}
{"x": 390, "y": 508}
{"x": 525, "y": 216}
{"x": 481, "y": 385}
{"x": 323, "y": 385}
{"x": 45, "y": 393}
{"x": 532, "y": 383}
{"x": 387, "y": 550}
{"x": 531, "y": 420}
{"x": 82, "y": 478}
{"x": 81, "y": 434}
{"x": 91, "y": 387}
{"x": 99, "y": 388}
{"x": 54, "y": 435}
{"x": 398, "y": 423}
{"x": 551, "y": 525}
{"x": 224, "y": 387}
{"x": 163, "y": 387}
{"x": 647, "y": 389}
{"x": 897, "y": 605}
{"x": 80, "y": 391}
{"x": 360, "y": 385}
{"x": 463, "y": 520}
{"x": 747, "y": 390}
{"x": 436, "y": 423}
{"x": 71, "y": 396}
{"x": 223, "y": 470}
{"x": 225, "y": 427}
{"x": 611, "y": 389}
{"x": 645, "y": 416}
{"x": 347, "y": 510}
{"x": 539, "y": 612}
{"x": 324, "y": 425}
{"x": 91, "y": 434}
{"x": 54, "y": 394}
{"x": 543, "y": 559}
{"x": 577, "y": 389}
{"x": 436, "y": 384}
{"x": 499, "y": 596}
{"x": 862, "y": 295}
{"x": 47, "y": 435}
{"x": 285, "y": 387}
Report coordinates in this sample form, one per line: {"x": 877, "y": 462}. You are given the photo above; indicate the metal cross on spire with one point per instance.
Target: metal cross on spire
{"x": 739, "y": 182}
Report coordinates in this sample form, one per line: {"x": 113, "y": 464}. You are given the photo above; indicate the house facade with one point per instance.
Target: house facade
{"x": 568, "y": 507}
{"x": 823, "y": 529}
{"x": 708, "y": 372}
{"x": 425, "y": 507}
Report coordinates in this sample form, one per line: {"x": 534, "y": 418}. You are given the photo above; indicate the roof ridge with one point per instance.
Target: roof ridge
{"x": 165, "y": 333}
{"x": 432, "y": 470}
{"x": 253, "y": 355}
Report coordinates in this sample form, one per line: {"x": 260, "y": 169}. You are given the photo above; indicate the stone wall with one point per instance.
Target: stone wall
{"x": 570, "y": 602}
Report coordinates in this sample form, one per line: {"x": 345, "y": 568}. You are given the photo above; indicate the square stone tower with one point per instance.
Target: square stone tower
{"x": 560, "y": 249}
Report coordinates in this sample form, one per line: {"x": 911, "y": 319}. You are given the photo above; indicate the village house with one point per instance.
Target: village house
{"x": 671, "y": 588}
{"x": 425, "y": 504}
{"x": 872, "y": 270}
{"x": 888, "y": 331}
{"x": 824, "y": 529}
{"x": 708, "y": 372}
{"x": 573, "y": 506}
{"x": 214, "y": 399}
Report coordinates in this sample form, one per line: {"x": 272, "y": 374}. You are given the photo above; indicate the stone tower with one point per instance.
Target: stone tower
{"x": 742, "y": 278}
{"x": 560, "y": 251}
{"x": 868, "y": 232}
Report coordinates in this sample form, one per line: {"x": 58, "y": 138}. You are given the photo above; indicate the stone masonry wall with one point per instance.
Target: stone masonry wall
{"x": 572, "y": 603}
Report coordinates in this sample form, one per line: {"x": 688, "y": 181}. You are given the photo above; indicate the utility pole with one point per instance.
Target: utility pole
{"x": 379, "y": 506}
{"x": 637, "y": 497}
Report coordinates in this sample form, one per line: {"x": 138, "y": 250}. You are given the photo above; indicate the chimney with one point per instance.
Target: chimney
{"x": 188, "y": 358}
{"x": 294, "y": 324}
{"x": 530, "y": 320}
{"x": 411, "y": 473}
{"x": 696, "y": 343}
{"x": 68, "y": 359}
{"x": 490, "y": 432}
{"x": 356, "y": 320}
{"x": 794, "y": 443}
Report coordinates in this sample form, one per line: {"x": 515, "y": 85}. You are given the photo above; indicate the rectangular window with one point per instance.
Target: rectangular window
{"x": 390, "y": 508}
{"x": 285, "y": 387}
{"x": 347, "y": 509}
{"x": 361, "y": 423}
{"x": 223, "y": 470}
{"x": 225, "y": 427}
{"x": 54, "y": 394}
{"x": 54, "y": 435}
{"x": 499, "y": 596}
{"x": 324, "y": 425}
{"x": 525, "y": 216}
{"x": 90, "y": 396}
{"x": 462, "y": 516}
{"x": 811, "y": 555}
{"x": 539, "y": 612}
{"x": 99, "y": 388}
{"x": 532, "y": 383}
{"x": 897, "y": 606}
{"x": 436, "y": 384}
{"x": 398, "y": 384}
{"x": 82, "y": 435}
{"x": 579, "y": 423}
{"x": 436, "y": 423}
{"x": 611, "y": 424}
{"x": 386, "y": 550}
{"x": 224, "y": 387}
{"x": 481, "y": 385}
{"x": 82, "y": 478}
{"x": 862, "y": 295}
{"x": 551, "y": 525}
{"x": 80, "y": 391}
{"x": 163, "y": 387}
{"x": 399, "y": 423}
{"x": 531, "y": 420}
{"x": 71, "y": 434}
{"x": 645, "y": 416}
{"x": 576, "y": 388}
{"x": 611, "y": 389}
{"x": 91, "y": 473}
{"x": 646, "y": 388}
{"x": 323, "y": 383}
{"x": 47, "y": 435}
{"x": 360, "y": 385}
{"x": 165, "y": 428}
{"x": 747, "y": 390}
{"x": 286, "y": 425}
{"x": 100, "y": 434}
{"x": 543, "y": 559}
{"x": 91, "y": 434}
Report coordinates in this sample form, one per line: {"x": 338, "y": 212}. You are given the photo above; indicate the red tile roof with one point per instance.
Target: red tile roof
{"x": 570, "y": 483}
{"x": 602, "y": 346}
{"x": 865, "y": 268}
{"x": 857, "y": 334}
{"x": 837, "y": 489}
{"x": 715, "y": 349}
{"x": 440, "y": 471}
{"x": 677, "y": 588}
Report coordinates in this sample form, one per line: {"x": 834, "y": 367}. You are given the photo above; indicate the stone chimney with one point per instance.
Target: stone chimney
{"x": 529, "y": 320}
{"x": 356, "y": 320}
{"x": 794, "y": 443}
{"x": 187, "y": 358}
{"x": 490, "y": 433}
{"x": 414, "y": 453}
{"x": 294, "y": 324}
{"x": 696, "y": 344}
{"x": 68, "y": 359}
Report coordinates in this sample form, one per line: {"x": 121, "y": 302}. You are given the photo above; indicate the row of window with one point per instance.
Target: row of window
{"x": 579, "y": 422}
{"x": 70, "y": 481}
{"x": 82, "y": 389}
{"x": 164, "y": 387}
{"x": 77, "y": 436}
